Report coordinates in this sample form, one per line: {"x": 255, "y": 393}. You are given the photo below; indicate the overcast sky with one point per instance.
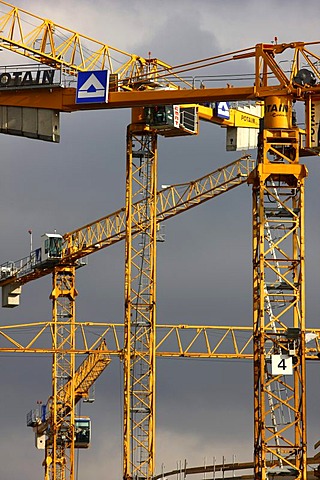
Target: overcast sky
{"x": 204, "y": 408}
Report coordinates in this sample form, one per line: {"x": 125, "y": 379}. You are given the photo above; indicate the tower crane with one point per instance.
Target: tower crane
{"x": 68, "y": 395}
{"x": 145, "y": 84}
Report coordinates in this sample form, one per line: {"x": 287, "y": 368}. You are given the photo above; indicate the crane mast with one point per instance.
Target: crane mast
{"x": 59, "y": 457}
{"x": 278, "y": 282}
{"x": 140, "y": 304}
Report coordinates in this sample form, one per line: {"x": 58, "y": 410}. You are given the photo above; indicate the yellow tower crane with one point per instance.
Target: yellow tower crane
{"x": 278, "y": 203}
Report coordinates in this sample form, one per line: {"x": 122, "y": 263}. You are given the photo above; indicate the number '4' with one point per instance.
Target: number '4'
{"x": 282, "y": 364}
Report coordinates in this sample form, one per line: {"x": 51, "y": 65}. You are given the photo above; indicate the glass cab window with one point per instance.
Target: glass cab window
{"x": 53, "y": 247}
{"x": 82, "y": 428}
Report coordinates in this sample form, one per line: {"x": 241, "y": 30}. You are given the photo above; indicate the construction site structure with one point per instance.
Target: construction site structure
{"x": 279, "y": 330}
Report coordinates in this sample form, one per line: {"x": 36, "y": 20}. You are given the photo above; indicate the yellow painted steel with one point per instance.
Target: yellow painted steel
{"x": 140, "y": 305}
{"x": 87, "y": 373}
{"x": 64, "y": 99}
{"x": 59, "y": 451}
{"x": 279, "y": 305}
{"x": 79, "y": 385}
{"x": 170, "y": 201}
{"x": 238, "y": 118}
{"x": 177, "y": 341}
{"x": 278, "y": 112}
{"x": 43, "y": 40}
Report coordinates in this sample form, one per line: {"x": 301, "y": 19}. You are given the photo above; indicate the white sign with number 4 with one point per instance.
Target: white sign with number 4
{"x": 281, "y": 365}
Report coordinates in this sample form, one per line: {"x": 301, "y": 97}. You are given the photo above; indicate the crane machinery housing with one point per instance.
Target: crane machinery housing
{"x": 163, "y": 102}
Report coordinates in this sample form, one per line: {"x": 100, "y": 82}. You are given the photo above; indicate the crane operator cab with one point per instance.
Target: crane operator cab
{"x": 83, "y": 432}
{"x": 51, "y": 247}
{"x": 172, "y": 120}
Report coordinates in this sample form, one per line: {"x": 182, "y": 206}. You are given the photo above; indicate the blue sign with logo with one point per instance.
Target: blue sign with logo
{"x": 93, "y": 86}
{"x": 222, "y": 110}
